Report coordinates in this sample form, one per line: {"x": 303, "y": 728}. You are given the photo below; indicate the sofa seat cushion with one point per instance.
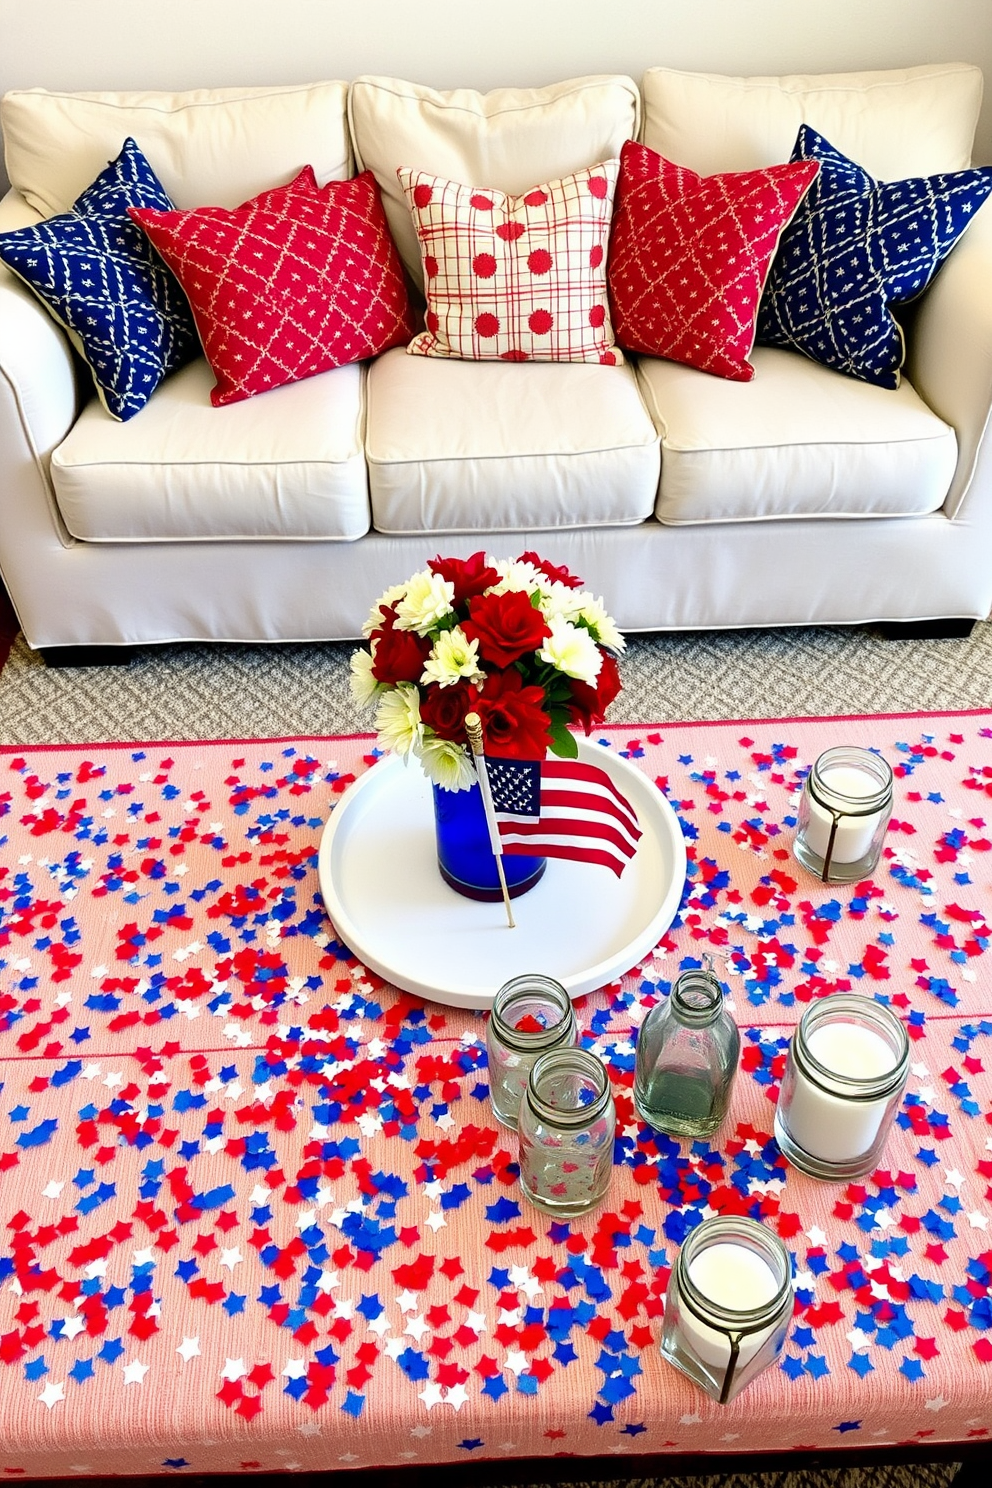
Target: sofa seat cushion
{"x": 459, "y": 446}
{"x": 798, "y": 441}
{"x": 288, "y": 464}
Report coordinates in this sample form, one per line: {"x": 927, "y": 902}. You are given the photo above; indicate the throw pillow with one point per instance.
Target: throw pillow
{"x": 103, "y": 282}
{"x": 295, "y": 281}
{"x": 515, "y": 278}
{"x": 689, "y": 256}
{"x": 855, "y": 247}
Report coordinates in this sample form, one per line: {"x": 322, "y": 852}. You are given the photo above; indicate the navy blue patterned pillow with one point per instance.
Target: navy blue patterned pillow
{"x": 97, "y": 273}
{"x": 855, "y": 247}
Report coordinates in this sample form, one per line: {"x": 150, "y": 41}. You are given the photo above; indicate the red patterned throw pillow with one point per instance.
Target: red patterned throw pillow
{"x": 689, "y": 256}
{"x": 295, "y": 281}
{"x": 515, "y": 278}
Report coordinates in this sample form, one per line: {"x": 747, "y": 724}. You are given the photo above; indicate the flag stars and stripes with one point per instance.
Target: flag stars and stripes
{"x": 562, "y": 808}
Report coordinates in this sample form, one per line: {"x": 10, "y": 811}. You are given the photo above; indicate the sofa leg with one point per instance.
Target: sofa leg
{"x": 954, "y": 629}
{"x": 87, "y": 656}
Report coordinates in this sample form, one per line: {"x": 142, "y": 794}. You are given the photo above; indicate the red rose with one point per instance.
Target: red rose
{"x": 588, "y": 705}
{"x": 470, "y": 576}
{"x": 514, "y": 723}
{"x": 397, "y": 655}
{"x": 557, "y": 575}
{"x": 506, "y": 626}
{"x": 443, "y": 709}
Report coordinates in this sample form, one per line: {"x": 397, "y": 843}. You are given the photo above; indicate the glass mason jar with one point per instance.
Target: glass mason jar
{"x": 728, "y": 1305}
{"x": 844, "y": 1078}
{"x": 687, "y": 1053}
{"x": 531, "y": 1014}
{"x": 465, "y": 856}
{"x": 566, "y": 1125}
{"x": 843, "y": 813}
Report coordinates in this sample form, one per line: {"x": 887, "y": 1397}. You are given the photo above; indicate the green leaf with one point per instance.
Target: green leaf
{"x": 562, "y": 741}
{"x": 557, "y": 689}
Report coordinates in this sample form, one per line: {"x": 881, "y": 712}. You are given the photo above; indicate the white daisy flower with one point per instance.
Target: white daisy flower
{"x": 453, "y": 659}
{"x": 376, "y": 616}
{"x": 572, "y": 650}
{"x": 426, "y": 601}
{"x": 363, "y": 685}
{"x": 603, "y": 626}
{"x": 515, "y": 576}
{"x": 447, "y": 764}
{"x": 562, "y": 601}
{"x": 397, "y": 720}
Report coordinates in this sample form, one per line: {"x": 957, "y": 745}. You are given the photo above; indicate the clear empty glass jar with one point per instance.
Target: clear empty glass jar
{"x": 566, "y": 1124}
{"x": 728, "y": 1305}
{"x": 531, "y": 1014}
{"x": 843, "y": 813}
{"x": 844, "y": 1078}
{"x": 687, "y": 1053}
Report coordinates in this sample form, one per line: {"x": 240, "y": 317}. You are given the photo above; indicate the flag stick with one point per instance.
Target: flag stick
{"x": 473, "y": 727}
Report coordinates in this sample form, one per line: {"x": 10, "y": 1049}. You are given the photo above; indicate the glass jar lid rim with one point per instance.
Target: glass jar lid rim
{"x": 533, "y": 984}
{"x": 585, "y": 1063}
{"x": 704, "y": 1307}
{"x": 698, "y": 994}
{"x": 868, "y": 762}
{"x": 861, "y": 1087}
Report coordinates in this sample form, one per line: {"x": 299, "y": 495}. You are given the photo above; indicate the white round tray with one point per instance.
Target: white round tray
{"x": 580, "y": 924}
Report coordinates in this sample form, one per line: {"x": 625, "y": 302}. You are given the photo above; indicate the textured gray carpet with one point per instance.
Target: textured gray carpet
{"x": 937, "y": 1475}
{"x": 204, "y": 692}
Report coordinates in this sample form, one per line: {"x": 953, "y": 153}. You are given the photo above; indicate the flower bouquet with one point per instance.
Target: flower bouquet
{"x": 520, "y": 644}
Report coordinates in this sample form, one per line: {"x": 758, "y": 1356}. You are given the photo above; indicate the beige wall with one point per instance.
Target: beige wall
{"x": 475, "y": 43}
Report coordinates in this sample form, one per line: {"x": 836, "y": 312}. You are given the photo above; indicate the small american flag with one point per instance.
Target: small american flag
{"x": 560, "y": 808}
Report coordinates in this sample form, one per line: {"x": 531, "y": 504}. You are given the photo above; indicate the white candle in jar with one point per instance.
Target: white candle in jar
{"x": 827, "y": 1123}
{"x": 736, "y": 1279}
{"x": 854, "y": 833}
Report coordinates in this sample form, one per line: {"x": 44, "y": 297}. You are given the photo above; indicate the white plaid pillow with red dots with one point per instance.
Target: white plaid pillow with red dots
{"x": 516, "y": 278}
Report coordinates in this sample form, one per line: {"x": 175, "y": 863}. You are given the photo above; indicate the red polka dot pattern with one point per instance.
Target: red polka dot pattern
{"x": 689, "y": 256}
{"x": 516, "y": 278}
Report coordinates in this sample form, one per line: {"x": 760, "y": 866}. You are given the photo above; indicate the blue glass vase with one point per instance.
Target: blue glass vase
{"x": 464, "y": 854}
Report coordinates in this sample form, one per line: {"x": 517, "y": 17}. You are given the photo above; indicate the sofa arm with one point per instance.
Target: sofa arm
{"x": 950, "y": 351}
{"x": 36, "y": 364}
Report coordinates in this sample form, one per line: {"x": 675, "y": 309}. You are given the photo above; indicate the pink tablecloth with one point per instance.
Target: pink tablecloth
{"x": 254, "y": 1212}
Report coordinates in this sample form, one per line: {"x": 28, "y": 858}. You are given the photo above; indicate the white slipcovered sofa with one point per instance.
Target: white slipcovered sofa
{"x": 803, "y": 497}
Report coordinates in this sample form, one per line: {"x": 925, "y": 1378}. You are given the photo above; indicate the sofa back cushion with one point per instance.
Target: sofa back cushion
{"x": 508, "y": 139}
{"x": 914, "y": 121}
{"x": 210, "y": 147}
